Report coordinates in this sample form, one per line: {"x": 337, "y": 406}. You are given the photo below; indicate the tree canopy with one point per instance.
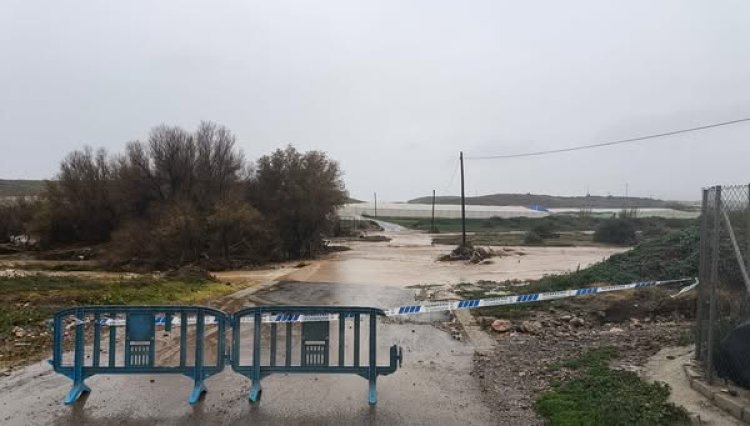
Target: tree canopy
{"x": 182, "y": 197}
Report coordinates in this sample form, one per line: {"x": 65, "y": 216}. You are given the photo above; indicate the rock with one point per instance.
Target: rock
{"x": 19, "y": 332}
{"x": 501, "y": 325}
{"x": 531, "y": 327}
{"x": 577, "y": 322}
{"x": 566, "y": 318}
{"x": 616, "y": 330}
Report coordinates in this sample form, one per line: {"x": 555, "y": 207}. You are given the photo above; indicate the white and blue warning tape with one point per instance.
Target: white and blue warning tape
{"x": 430, "y": 307}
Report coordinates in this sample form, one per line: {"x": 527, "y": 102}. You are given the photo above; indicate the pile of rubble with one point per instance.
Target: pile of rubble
{"x": 471, "y": 254}
{"x": 520, "y": 366}
{"x": 14, "y": 273}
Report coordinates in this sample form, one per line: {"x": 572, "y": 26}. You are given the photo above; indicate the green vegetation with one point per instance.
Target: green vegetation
{"x": 55, "y": 267}
{"x": 41, "y": 295}
{"x": 555, "y": 223}
{"x": 599, "y": 395}
{"x": 551, "y": 201}
{"x": 556, "y": 230}
{"x": 672, "y": 256}
{"x": 18, "y": 188}
{"x": 27, "y": 302}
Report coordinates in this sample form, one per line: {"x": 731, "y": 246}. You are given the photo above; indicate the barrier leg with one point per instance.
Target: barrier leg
{"x": 198, "y": 390}
{"x": 79, "y": 387}
{"x": 373, "y": 397}
{"x": 255, "y": 391}
{"x": 198, "y": 374}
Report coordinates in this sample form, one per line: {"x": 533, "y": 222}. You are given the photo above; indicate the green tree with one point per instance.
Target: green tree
{"x": 299, "y": 193}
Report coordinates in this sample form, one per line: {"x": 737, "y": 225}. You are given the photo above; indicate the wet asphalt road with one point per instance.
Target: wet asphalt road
{"x": 432, "y": 388}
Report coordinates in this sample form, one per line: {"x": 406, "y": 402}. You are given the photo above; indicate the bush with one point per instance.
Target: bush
{"x": 183, "y": 198}
{"x": 616, "y": 231}
{"x": 533, "y": 238}
{"x": 545, "y": 230}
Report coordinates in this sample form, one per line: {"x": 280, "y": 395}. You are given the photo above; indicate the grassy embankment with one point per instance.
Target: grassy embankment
{"x": 563, "y": 230}
{"x": 27, "y": 302}
{"x": 672, "y": 256}
{"x": 599, "y": 395}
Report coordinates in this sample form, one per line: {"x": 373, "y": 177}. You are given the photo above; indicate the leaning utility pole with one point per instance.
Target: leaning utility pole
{"x": 432, "y": 224}
{"x": 463, "y": 203}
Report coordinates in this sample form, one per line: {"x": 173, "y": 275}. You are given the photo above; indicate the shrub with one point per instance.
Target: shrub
{"x": 533, "y": 238}
{"x": 616, "y": 231}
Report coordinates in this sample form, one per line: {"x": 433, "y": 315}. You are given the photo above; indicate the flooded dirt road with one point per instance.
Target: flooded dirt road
{"x": 433, "y": 386}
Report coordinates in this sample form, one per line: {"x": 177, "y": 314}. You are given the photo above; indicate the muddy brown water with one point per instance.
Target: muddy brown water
{"x": 433, "y": 386}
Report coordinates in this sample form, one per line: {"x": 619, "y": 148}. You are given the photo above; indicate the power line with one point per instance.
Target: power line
{"x": 617, "y": 142}
{"x": 453, "y": 176}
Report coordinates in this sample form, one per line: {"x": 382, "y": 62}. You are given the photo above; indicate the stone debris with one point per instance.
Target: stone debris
{"x": 501, "y": 325}
{"x": 471, "y": 254}
{"x": 14, "y": 273}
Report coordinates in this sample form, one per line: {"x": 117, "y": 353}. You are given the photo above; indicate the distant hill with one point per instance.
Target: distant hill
{"x": 10, "y": 188}
{"x": 552, "y": 201}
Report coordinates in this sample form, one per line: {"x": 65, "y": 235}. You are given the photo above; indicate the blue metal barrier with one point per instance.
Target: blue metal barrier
{"x": 136, "y": 352}
{"x": 313, "y": 344}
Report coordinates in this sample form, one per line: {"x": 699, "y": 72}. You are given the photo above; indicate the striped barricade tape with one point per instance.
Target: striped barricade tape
{"x": 425, "y": 308}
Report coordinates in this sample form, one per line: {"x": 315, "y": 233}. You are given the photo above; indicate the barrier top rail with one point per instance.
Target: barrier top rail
{"x": 308, "y": 310}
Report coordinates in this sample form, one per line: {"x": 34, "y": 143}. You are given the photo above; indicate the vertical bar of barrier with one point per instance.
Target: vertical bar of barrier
{"x": 198, "y": 370}
{"x": 183, "y": 338}
{"x": 112, "y": 339}
{"x": 273, "y": 344}
{"x": 356, "y": 340}
{"x": 97, "y": 340}
{"x": 58, "y": 342}
{"x": 79, "y": 388}
{"x": 288, "y": 344}
{"x": 199, "y": 336}
{"x": 373, "y": 396}
{"x": 80, "y": 347}
{"x": 714, "y": 278}
{"x": 255, "y": 389}
{"x": 235, "y": 354}
{"x": 342, "y": 338}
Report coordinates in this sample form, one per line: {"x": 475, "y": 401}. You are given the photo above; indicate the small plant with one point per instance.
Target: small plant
{"x": 599, "y": 395}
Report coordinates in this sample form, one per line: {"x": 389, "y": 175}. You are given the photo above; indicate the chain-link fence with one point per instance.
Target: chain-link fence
{"x": 724, "y": 295}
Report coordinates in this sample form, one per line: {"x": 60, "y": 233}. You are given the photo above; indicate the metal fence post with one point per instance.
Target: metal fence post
{"x": 747, "y": 230}
{"x": 703, "y": 253}
{"x": 714, "y": 282}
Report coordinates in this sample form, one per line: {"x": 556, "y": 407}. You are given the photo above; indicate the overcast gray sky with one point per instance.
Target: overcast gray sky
{"x": 393, "y": 89}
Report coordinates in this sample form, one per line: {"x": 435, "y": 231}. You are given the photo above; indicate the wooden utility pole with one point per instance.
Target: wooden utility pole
{"x": 463, "y": 203}
{"x": 432, "y": 224}
{"x": 376, "y": 204}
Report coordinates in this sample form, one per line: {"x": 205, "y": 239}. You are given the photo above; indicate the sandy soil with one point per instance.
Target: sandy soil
{"x": 666, "y": 366}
